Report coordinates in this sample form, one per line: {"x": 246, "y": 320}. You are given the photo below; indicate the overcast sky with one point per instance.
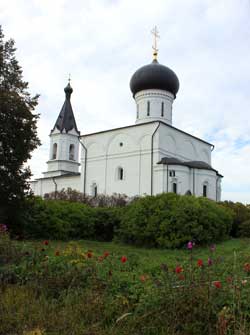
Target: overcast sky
{"x": 102, "y": 42}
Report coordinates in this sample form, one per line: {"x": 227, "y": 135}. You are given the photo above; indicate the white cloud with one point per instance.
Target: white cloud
{"x": 101, "y": 43}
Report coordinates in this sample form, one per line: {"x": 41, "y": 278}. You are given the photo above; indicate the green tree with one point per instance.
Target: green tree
{"x": 18, "y": 132}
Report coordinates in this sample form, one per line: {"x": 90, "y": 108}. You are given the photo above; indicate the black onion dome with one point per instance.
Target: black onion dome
{"x": 154, "y": 76}
{"x": 68, "y": 90}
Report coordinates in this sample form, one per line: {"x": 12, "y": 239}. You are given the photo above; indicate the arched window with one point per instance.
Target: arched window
{"x": 174, "y": 188}
{"x": 72, "y": 152}
{"x": 54, "y": 154}
{"x": 148, "y": 108}
{"x": 94, "y": 190}
{"x": 204, "y": 190}
{"x": 120, "y": 173}
{"x": 162, "y": 109}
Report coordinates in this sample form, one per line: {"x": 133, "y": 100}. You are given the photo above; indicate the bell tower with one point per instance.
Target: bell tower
{"x": 64, "y": 141}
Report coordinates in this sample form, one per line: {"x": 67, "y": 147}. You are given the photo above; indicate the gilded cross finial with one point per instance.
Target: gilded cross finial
{"x": 156, "y": 35}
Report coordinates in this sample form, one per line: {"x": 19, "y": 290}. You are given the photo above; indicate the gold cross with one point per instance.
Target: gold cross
{"x": 156, "y": 35}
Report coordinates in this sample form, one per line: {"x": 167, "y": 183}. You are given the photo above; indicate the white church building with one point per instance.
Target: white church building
{"x": 149, "y": 157}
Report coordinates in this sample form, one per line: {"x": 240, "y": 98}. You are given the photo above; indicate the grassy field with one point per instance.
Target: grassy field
{"x": 95, "y": 288}
{"x": 151, "y": 258}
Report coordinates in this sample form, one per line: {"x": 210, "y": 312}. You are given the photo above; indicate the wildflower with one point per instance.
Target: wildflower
{"x": 89, "y": 254}
{"x": 200, "y": 263}
{"x": 247, "y": 267}
{"x": 190, "y": 245}
{"x": 229, "y": 280}
{"x": 124, "y": 259}
{"x": 181, "y": 277}
{"x": 100, "y": 258}
{"x": 3, "y": 228}
{"x": 46, "y": 257}
{"x": 244, "y": 282}
{"x": 217, "y": 284}
{"x": 212, "y": 247}
{"x": 106, "y": 254}
{"x": 178, "y": 269}
{"x": 209, "y": 261}
{"x": 57, "y": 253}
{"x": 143, "y": 278}
{"x": 45, "y": 242}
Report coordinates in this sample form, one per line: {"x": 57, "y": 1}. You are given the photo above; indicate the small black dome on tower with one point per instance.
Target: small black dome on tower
{"x": 68, "y": 90}
{"x": 154, "y": 76}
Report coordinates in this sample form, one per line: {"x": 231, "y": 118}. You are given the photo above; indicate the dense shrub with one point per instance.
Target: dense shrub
{"x": 101, "y": 200}
{"x": 244, "y": 229}
{"x": 241, "y": 213}
{"x": 170, "y": 220}
{"x": 63, "y": 220}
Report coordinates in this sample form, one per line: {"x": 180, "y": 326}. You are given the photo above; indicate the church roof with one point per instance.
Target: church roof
{"x": 66, "y": 120}
{"x": 191, "y": 164}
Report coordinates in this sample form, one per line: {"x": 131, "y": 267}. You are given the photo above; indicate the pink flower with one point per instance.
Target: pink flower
{"x": 190, "y": 245}
{"x": 3, "y": 228}
{"x": 209, "y": 261}
{"x": 212, "y": 247}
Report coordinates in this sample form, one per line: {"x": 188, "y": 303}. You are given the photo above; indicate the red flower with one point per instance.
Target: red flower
{"x": 100, "y": 258}
{"x": 181, "y": 277}
{"x": 247, "y": 267}
{"x": 178, "y": 269}
{"x": 46, "y": 242}
{"x": 57, "y": 253}
{"x": 106, "y": 254}
{"x": 89, "y": 254}
{"x": 124, "y": 259}
{"x": 200, "y": 263}
{"x": 217, "y": 284}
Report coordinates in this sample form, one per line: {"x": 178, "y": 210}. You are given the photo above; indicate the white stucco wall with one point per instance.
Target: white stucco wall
{"x": 174, "y": 143}
{"x": 156, "y": 111}
{"x": 46, "y": 185}
{"x": 128, "y": 148}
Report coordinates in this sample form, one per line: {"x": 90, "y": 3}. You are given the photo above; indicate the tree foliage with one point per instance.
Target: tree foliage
{"x": 18, "y": 130}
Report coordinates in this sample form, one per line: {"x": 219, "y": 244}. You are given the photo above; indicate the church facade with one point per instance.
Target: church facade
{"x": 149, "y": 157}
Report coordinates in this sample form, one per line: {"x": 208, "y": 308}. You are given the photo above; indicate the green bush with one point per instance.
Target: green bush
{"x": 170, "y": 220}
{"x": 241, "y": 213}
{"x": 244, "y": 229}
{"x": 63, "y": 220}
